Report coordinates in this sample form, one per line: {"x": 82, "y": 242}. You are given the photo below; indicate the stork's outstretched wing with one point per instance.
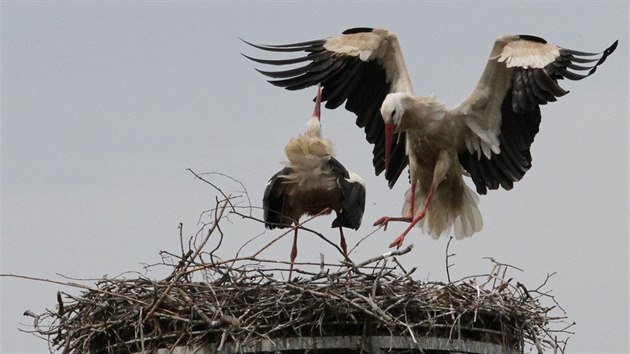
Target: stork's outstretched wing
{"x": 359, "y": 67}
{"x": 502, "y": 115}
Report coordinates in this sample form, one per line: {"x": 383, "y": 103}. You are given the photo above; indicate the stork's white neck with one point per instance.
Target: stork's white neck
{"x": 314, "y": 128}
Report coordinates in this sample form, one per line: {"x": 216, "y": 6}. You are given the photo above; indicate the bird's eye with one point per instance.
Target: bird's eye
{"x": 393, "y": 113}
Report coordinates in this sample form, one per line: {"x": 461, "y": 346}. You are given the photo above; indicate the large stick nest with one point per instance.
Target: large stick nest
{"x": 243, "y": 301}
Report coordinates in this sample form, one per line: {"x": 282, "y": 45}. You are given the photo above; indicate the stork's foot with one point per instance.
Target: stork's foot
{"x": 398, "y": 241}
{"x": 383, "y": 221}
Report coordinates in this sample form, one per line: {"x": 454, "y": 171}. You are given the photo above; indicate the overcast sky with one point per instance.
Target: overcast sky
{"x": 105, "y": 106}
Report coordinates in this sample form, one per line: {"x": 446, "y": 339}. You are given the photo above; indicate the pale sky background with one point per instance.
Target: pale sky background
{"x": 105, "y": 106}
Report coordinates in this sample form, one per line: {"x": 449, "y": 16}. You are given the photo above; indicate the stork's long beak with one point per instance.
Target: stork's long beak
{"x": 389, "y": 133}
{"x": 317, "y": 111}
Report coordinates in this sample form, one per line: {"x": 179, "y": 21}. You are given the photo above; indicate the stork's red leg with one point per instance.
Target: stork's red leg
{"x": 407, "y": 218}
{"x": 342, "y": 243}
{"x": 293, "y": 252}
{"x": 427, "y": 200}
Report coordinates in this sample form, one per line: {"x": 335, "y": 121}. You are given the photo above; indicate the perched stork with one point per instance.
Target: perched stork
{"x": 487, "y": 136}
{"x": 314, "y": 182}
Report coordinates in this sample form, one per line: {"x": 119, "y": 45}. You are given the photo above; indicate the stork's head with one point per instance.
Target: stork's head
{"x": 392, "y": 111}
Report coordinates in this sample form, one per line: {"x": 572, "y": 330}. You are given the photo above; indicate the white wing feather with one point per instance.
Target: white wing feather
{"x": 480, "y": 113}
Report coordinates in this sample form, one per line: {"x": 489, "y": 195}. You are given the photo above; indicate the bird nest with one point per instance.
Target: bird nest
{"x": 238, "y": 304}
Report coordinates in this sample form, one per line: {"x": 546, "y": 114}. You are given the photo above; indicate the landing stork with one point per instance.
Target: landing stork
{"x": 313, "y": 183}
{"x": 487, "y": 136}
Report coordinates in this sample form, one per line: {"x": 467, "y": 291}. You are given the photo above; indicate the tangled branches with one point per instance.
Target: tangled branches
{"x": 241, "y": 304}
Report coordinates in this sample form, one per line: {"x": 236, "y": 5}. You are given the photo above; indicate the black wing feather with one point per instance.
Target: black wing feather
{"x": 352, "y": 205}
{"x": 352, "y": 200}
{"x": 361, "y": 85}
{"x": 274, "y": 207}
{"x": 518, "y": 130}
{"x": 535, "y": 86}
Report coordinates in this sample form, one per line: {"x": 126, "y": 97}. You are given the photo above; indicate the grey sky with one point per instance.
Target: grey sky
{"x": 105, "y": 105}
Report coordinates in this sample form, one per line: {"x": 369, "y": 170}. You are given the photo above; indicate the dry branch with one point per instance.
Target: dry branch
{"x": 243, "y": 301}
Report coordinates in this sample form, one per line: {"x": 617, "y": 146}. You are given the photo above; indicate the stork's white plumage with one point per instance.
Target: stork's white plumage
{"x": 488, "y": 135}
{"x": 313, "y": 183}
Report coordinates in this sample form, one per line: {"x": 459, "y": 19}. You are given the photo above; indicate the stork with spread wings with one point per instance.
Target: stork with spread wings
{"x": 488, "y": 135}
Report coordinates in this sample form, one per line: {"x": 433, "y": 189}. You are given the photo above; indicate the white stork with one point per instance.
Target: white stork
{"x": 313, "y": 183}
{"x": 487, "y": 136}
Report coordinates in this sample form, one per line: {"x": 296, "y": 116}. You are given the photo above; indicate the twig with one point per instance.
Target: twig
{"x": 448, "y": 266}
{"x": 241, "y": 301}
{"x": 179, "y": 273}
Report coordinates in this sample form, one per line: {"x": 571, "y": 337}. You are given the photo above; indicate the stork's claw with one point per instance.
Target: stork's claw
{"x": 398, "y": 241}
{"x": 382, "y": 221}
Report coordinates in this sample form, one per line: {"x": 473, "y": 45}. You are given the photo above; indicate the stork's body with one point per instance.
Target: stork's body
{"x": 488, "y": 135}
{"x": 438, "y": 197}
{"x": 313, "y": 183}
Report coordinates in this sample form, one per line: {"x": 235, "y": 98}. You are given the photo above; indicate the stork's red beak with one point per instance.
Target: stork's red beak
{"x": 318, "y": 102}
{"x": 389, "y": 133}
